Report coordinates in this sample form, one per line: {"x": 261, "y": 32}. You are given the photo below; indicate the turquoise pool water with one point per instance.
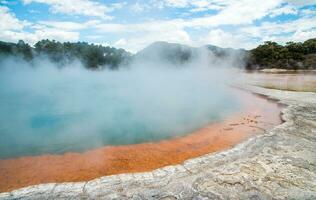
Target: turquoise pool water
{"x": 55, "y": 111}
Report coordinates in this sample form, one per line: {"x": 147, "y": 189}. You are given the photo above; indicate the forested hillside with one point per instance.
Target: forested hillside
{"x": 92, "y": 56}
{"x": 289, "y": 56}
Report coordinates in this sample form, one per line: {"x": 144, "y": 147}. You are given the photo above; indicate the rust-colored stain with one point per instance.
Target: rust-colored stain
{"x": 108, "y": 160}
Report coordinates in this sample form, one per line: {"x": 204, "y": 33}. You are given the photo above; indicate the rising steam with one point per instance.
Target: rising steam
{"x": 45, "y": 109}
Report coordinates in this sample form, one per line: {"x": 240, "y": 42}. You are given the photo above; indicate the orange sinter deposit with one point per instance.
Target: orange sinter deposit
{"x": 258, "y": 114}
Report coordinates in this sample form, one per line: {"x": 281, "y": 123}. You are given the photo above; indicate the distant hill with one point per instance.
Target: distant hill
{"x": 179, "y": 54}
{"x": 168, "y": 52}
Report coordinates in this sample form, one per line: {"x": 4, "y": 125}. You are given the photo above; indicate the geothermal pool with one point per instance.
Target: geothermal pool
{"x": 76, "y": 125}
{"x": 51, "y": 111}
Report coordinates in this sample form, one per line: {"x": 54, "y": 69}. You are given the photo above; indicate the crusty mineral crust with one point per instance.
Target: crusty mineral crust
{"x": 280, "y": 164}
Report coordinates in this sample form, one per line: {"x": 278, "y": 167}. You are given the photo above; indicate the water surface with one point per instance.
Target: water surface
{"x": 46, "y": 110}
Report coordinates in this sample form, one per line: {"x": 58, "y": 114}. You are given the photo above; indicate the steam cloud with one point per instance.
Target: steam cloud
{"x": 45, "y": 109}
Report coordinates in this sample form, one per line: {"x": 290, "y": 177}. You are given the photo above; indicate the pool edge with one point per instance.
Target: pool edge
{"x": 193, "y": 173}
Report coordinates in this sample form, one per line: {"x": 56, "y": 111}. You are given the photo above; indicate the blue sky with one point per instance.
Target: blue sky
{"x": 134, "y": 24}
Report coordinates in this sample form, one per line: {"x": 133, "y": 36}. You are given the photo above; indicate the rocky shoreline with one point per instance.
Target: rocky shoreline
{"x": 280, "y": 164}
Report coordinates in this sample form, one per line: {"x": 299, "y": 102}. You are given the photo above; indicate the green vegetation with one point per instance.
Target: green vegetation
{"x": 20, "y": 49}
{"x": 92, "y": 56}
{"x": 290, "y": 56}
{"x": 269, "y": 55}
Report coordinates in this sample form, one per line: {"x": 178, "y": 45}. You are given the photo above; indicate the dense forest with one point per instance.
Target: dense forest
{"x": 92, "y": 56}
{"x": 268, "y": 55}
{"x": 292, "y": 55}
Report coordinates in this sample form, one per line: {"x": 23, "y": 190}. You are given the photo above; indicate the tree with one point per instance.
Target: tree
{"x": 310, "y": 46}
{"x": 24, "y": 50}
{"x": 293, "y": 55}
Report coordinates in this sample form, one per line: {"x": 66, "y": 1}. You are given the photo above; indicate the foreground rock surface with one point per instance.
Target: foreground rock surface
{"x": 280, "y": 164}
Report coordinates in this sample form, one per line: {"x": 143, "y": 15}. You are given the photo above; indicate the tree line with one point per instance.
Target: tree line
{"x": 292, "y": 55}
{"x": 92, "y": 56}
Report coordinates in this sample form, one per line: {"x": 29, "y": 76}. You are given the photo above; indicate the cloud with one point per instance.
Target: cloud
{"x": 5, "y": 2}
{"x": 301, "y": 36}
{"x": 79, "y": 7}
{"x": 112, "y": 28}
{"x": 301, "y": 2}
{"x": 56, "y": 34}
{"x": 297, "y": 30}
{"x": 285, "y": 10}
{"x": 176, "y": 3}
{"x": 191, "y": 5}
{"x": 198, "y": 5}
{"x": 9, "y": 20}
{"x": 273, "y": 28}
{"x": 297, "y": 36}
{"x": 203, "y": 5}
{"x": 120, "y": 42}
{"x": 229, "y": 12}
{"x": 12, "y": 29}
{"x": 138, "y": 35}
{"x": 67, "y": 25}
{"x": 221, "y": 38}
{"x": 139, "y": 7}
{"x": 136, "y": 43}
{"x": 158, "y": 26}
{"x": 241, "y": 12}
{"x": 53, "y": 34}
{"x": 308, "y": 12}
{"x": 238, "y": 13}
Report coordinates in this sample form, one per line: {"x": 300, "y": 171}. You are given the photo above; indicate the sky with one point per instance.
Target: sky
{"x": 134, "y": 24}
